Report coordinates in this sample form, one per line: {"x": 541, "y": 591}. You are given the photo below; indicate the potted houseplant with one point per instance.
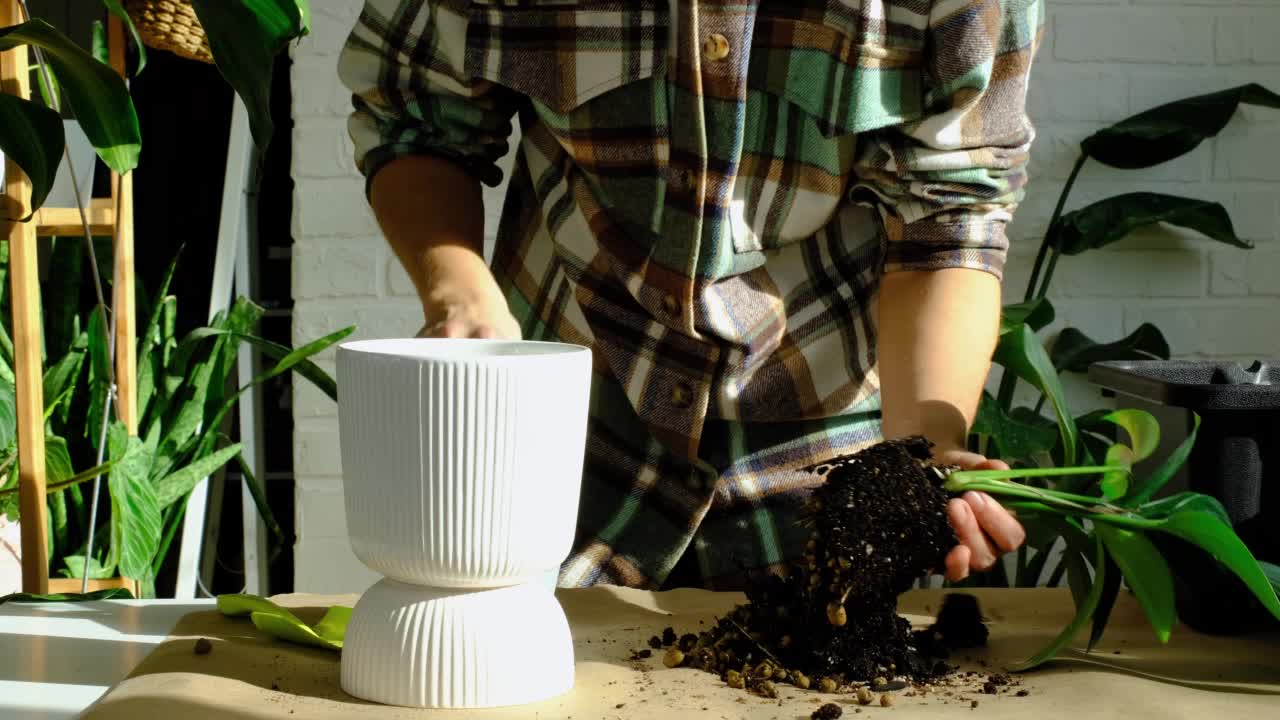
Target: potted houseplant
{"x": 177, "y": 442}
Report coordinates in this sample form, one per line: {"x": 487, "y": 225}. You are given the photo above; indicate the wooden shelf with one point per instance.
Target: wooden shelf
{"x": 63, "y": 221}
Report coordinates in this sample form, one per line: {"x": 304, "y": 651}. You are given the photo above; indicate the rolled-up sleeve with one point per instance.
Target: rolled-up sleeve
{"x": 951, "y": 180}
{"x": 405, "y": 65}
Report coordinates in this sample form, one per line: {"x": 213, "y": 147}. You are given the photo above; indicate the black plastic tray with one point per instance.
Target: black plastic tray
{"x": 1194, "y": 385}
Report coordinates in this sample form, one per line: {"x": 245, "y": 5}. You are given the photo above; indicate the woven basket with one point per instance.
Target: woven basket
{"x": 170, "y": 25}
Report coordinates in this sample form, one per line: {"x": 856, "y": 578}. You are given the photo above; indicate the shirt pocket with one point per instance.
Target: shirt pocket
{"x": 851, "y": 66}
{"x": 564, "y": 53}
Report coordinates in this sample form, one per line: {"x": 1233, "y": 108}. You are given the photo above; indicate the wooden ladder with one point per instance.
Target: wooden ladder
{"x": 112, "y": 217}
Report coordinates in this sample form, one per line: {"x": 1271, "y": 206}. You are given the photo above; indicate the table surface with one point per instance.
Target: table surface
{"x": 58, "y": 658}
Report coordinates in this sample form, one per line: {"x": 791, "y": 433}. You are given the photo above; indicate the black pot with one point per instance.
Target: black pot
{"x": 1236, "y": 459}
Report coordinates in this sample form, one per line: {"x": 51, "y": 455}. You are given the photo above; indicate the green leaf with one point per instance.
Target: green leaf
{"x": 33, "y": 137}
{"x": 97, "y": 95}
{"x": 280, "y": 622}
{"x": 1145, "y": 490}
{"x": 111, "y": 594}
{"x": 57, "y": 460}
{"x": 75, "y": 568}
{"x": 298, "y": 633}
{"x": 1035, "y": 313}
{"x": 307, "y": 369}
{"x": 1211, "y": 534}
{"x": 135, "y": 515}
{"x": 1174, "y": 129}
{"x": 8, "y": 414}
{"x": 118, "y": 10}
{"x": 333, "y": 626}
{"x": 98, "y": 46}
{"x": 260, "y": 502}
{"x": 1111, "y": 220}
{"x": 1021, "y": 352}
{"x": 47, "y": 82}
{"x": 1077, "y": 578}
{"x": 1164, "y": 507}
{"x": 1146, "y": 572}
{"x": 245, "y": 36}
{"x": 1143, "y": 430}
{"x": 60, "y": 295}
{"x": 1273, "y": 574}
{"x": 1116, "y": 483}
{"x": 284, "y": 365}
{"x": 60, "y": 381}
{"x": 1073, "y": 351}
{"x": 157, "y": 333}
{"x": 1083, "y": 614}
{"x": 1106, "y": 602}
{"x": 1014, "y": 439}
{"x": 177, "y": 484}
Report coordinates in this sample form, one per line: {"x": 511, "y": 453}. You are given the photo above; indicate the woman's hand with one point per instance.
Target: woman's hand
{"x": 986, "y": 530}
{"x": 469, "y": 314}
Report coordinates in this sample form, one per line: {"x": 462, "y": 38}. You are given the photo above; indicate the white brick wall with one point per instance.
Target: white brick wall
{"x": 1102, "y": 60}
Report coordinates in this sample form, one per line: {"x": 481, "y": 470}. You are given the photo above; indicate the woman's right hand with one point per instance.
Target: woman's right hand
{"x": 469, "y": 313}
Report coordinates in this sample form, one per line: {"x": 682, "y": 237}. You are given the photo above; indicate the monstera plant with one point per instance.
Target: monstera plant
{"x": 181, "y": 382}
{"x": 1048, "y": 433}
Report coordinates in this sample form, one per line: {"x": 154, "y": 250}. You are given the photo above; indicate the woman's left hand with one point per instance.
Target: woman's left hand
{"x": 986, "y": 530}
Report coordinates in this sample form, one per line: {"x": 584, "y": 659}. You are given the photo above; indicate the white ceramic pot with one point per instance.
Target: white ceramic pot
{"x": 438, "y": 648}
{"x": 462, "y": 459}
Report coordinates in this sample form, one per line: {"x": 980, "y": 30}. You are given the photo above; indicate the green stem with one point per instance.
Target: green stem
{"x": 962, "y": 476}
{"x": 1055, "y": 238}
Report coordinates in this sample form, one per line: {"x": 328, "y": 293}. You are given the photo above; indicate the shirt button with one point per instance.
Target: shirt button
{"x": 670, "y": 306}
{"x": 715, "y": 47}
{"x": 681, "y": 396}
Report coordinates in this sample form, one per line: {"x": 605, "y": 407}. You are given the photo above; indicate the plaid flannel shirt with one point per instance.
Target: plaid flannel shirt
{"x": 707, "y": 193}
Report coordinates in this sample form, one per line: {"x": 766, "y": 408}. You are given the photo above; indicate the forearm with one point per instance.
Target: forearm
{"x": 937, "y": 331}
{"x": 432, "y": 214}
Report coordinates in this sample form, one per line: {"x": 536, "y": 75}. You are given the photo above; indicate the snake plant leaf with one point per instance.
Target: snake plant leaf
{"x": 8, "y": 414}
{"x": 115, "y": 8}
{"x": 1111, "y": 220}
{"x": 1146, "y": 573}
{"x": 97, "y": 95}
{"x": 1021, "y": 352}
{"x": 177, "y": 484}
{"x": 245, "y": 36}
{"x": 1037, "y": 313}
{"x": 307, "y": 369}
{"x": 1173, "y": 129}
{"x": 1084, "y": 612}
{"x": 1073, "y": 351}
{"x": 1153, "y": 483}
{"x": 284, "y": 365}
{"x": 33, "y": 137}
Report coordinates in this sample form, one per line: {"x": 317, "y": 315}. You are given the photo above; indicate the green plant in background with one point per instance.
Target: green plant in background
{"x": 184, "y": 396}
{"x": 1110, "y": 523}
{"x": 182, "y": 384}
{"x": 1022, "y": 435}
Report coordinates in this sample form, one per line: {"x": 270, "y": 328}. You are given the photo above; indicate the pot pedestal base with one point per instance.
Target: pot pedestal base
{"x": 417, "y": 646}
